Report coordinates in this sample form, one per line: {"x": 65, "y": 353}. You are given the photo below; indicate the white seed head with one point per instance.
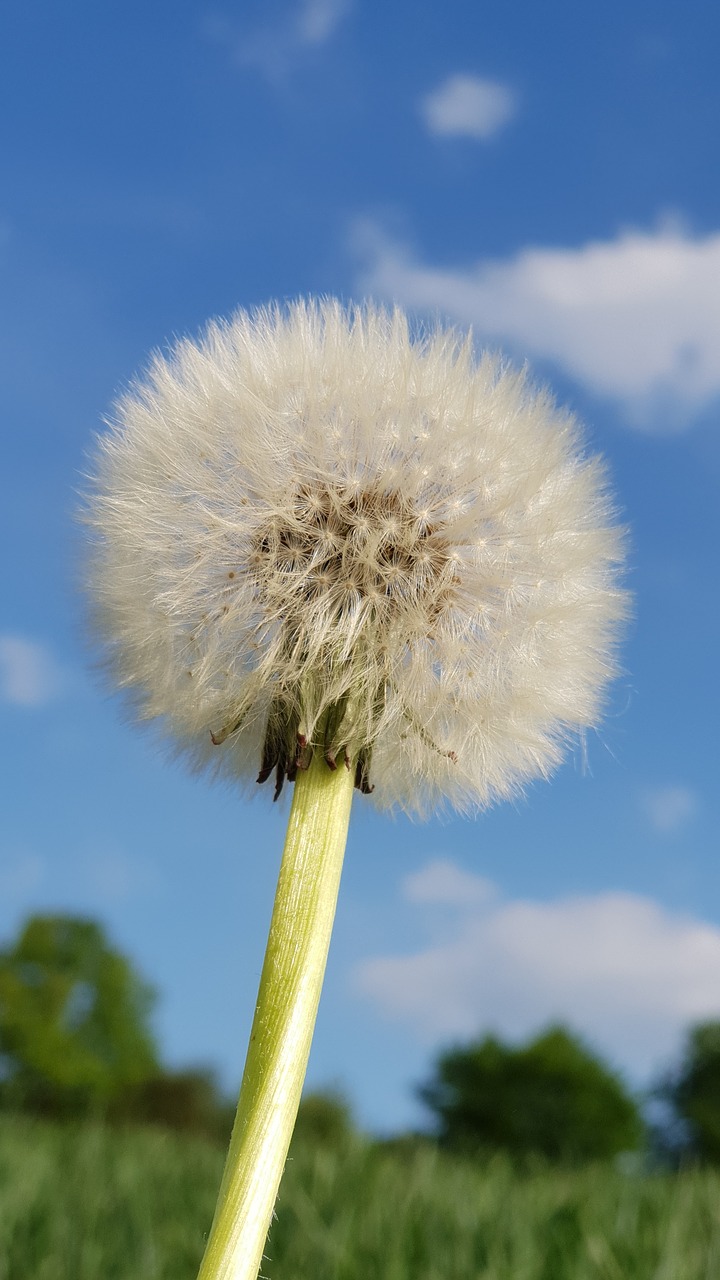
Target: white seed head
{"x": 306, "y": 523}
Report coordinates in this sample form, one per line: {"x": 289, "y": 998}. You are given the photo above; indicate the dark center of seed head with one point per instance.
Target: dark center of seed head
{"x": 338, "y": 544}
{"x": 336, "y": 541}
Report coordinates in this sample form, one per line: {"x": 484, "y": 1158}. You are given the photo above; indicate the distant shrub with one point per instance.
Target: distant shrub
{"x": 324, "y": 1120}
{"x": 550, "y": 1097}
{"x": 187, "y": 1101}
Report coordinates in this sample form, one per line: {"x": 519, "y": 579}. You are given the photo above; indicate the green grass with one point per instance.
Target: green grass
{"x": 92, "y": 1204}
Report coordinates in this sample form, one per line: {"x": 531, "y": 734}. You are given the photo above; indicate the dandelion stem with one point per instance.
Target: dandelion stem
{"x": 284, "y": 1020}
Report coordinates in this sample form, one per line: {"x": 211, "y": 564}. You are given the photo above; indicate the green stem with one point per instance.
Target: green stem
{"x": 284, "y": 1020}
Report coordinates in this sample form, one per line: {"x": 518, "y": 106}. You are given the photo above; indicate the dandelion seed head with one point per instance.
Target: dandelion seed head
{"x": 308, "y": 518}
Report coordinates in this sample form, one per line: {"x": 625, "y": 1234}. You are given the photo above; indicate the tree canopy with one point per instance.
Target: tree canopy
{"x": 693, "y": 1092}
{"x": 324, "y": 1120}
{"x": 74, "y": 1018}
{"x": 550, "y": 1097}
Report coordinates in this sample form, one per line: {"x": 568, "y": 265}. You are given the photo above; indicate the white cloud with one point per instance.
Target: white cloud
{"x": 274, "y": 48}
{"x": 621, "y": 969}
{"x": 636, "y": 318}
{"x": 670, "y": 808}
{"x": 444, "y": 883}
{"x": 317, "y": 19}
{"x": 469, "y": 105}
{"x": 29, "y": 675}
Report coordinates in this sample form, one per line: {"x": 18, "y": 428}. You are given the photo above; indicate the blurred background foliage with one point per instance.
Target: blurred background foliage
{"x": 76, "y": 1039}
{"x": 74, "y": 1019}
{"x": 551, "y": 1097}
{"x": 76, "y": 1043}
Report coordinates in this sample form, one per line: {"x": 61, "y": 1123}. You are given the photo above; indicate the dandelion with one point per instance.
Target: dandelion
{"x": 328, "y": 554}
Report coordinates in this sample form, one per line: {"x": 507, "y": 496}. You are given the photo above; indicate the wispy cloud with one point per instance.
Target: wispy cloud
{"x": 111, "y": 876}
{"x": 29, "y": 675}
{"x": 443, "y": 883}
{"x": 622, "y": 969}
{"x": 669, "y": 809}
{"x": 276, "y": 46}
{"x": 81, "y": 881}
{"x": 469, "y": 106}
{"x": 316, "y": 20}
{"x": 635, "y": 318}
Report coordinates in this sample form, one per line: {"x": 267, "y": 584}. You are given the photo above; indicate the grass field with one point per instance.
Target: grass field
{"x": 92, "y": 1204}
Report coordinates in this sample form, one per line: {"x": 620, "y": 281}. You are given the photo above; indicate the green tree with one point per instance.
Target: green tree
{"x": 188, "y": 1100}
{"x": 324, "y": 1120}
{"x": 74, "y": 1030}
{"x": 550, "y": 1097}
{"x": 694, "y": 1093}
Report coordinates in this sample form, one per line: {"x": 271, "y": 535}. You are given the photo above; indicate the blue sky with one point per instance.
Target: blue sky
{"x": 548, "y": 173}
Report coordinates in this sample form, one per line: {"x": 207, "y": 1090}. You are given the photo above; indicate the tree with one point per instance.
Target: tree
{"x": 74, "y": 1030}
{"x": 694, "y": 1095}
{"x": 551, "y": 1097}
{"x": 324, "y": 1119}
{"x": 187, "y": 1100}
